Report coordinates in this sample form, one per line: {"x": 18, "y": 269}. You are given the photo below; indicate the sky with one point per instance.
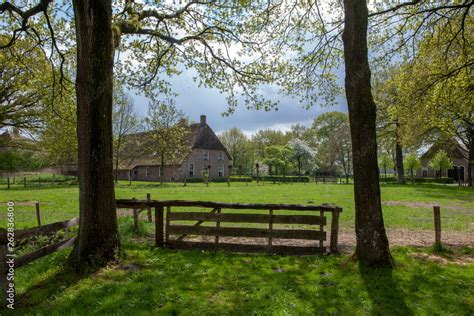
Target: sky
{"x": 195, "y": 101}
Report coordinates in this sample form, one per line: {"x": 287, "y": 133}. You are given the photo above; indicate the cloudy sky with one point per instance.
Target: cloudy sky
{"x": 194, "y": 101}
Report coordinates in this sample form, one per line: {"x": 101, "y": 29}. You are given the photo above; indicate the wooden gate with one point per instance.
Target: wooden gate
{"x": 249, "y": 227}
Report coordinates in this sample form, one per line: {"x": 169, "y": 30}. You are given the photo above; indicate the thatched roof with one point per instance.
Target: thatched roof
{"x": 200, "y": 136}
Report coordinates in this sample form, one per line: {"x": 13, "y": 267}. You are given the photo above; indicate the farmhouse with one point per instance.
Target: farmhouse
{"x": 204, "y": 153}
{"x": 458, "y": 155}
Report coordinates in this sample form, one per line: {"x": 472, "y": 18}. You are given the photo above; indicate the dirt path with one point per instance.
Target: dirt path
{"x": 418, "y": 238}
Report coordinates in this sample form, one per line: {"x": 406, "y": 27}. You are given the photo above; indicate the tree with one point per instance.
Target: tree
{"x": 124, "y": 121}
{"x": 302, "y": 154}
{"x": 438, "y": 84}
{"x": 167, "y": 130}
{"x": 240, "y": 148}
{"x": 60, "y": 147}
{"x": 385, "y": 161}
{"x": 332, "y": 140}
{"x": 441, "y": 161}
{"x": 278, "y": 158}
{"x": 159, "y": 37}
{"x": 412, "y": 163}
{"x": 23, "y": 83}
{"x": 265, "y": 138}
{"x": 372, "y": 247}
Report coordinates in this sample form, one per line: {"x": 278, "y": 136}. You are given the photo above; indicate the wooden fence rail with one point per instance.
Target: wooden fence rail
{"x": 19, "y": 235}
{"x": 217, "y": 216}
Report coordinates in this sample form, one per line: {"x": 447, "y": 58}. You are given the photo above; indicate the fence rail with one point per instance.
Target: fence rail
{"x": 19, "y": 235}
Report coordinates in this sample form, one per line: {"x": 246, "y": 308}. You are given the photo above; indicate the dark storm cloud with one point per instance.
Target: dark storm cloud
{"x": 194, "y": 101}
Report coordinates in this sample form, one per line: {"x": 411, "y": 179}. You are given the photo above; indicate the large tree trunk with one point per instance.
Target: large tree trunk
{"x": 372, "y": 247}
{"x": 399, "y": 163}
{"x": 162, "y": 169}
{"x": 98, "y": 240}
{"x": 470, "y": 163}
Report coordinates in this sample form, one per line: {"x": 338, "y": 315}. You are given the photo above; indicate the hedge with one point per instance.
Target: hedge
{"x": 220, "y": 180}
{"x": 282, "y": 179}
{"x": 419, "y": 180}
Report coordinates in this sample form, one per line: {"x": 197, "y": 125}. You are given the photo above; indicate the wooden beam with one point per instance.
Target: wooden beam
{"x": 45, "y": 229}
{"x": 288, "y": 250}
{"x": 334, "y": 232}
{"x": 246, "y": 232}
{"x": 168, "y": 219}
{"x": 159, "y": 227}
{"x": 248, "y": 218}
{"x": 25, "y": 259}
{"x": 153, "y": 203}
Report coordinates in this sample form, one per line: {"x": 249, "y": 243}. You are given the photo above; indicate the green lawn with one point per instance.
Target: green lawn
{"x": 457, "y": 204}
{"x": 150, "y": 281}
{"x": 156, "y": 281}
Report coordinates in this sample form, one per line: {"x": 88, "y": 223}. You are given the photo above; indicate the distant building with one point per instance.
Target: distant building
{"x": 204, "y": 151}
{"x": 456, "y": 153}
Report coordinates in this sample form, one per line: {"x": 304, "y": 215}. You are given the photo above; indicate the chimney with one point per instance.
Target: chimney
{"x": 203, "y": 119}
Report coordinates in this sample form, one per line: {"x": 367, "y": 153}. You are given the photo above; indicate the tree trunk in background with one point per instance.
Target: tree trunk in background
{"x": 98, "y": 239}
{"x": 399, "y": 163}
{"x": 372, "y": 244}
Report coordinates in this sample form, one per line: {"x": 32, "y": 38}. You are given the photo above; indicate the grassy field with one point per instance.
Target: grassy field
{"x": 405, "y": 206}
{"x": 148, "y": 280}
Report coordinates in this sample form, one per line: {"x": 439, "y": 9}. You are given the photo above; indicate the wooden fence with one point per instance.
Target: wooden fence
{"x": 8, "y": 239}
{"x": 317, "y": 236}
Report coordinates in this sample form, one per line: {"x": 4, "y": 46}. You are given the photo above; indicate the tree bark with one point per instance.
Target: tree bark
{"x": 372, "y": 247}
{"x": 470, "y": 163}
{"x": 162, "y": 169}
{"x": 98, "y": 239}
{"x": 117, "y": 151}
{"x": 399, "y": 163}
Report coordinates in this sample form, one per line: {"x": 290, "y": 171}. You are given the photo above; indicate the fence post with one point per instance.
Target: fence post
{"x": 437, "y": 222}
{"x": 159, "y": 229}
{"x": 321, "y": 229}
{"x": 218, "y": 224}
{"x": 3, "y": 270}
{"x": 38, "y": 213}
{"x": 148, "y": 198}
{"x": 270, "y": 227}
{"x": 8, "y": 183}
{"x": 334, "y": 230}
{"x": 135, "y": 218}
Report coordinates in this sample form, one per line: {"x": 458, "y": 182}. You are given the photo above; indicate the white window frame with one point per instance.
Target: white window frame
{"x": 191, "y": 169}
{"x": 205, "y": 155}
{"x": 221, "y": 171}
{"x": 220, "y": 155}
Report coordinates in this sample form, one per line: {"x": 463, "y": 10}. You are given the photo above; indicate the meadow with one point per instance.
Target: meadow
{"x": 148, "y": 280}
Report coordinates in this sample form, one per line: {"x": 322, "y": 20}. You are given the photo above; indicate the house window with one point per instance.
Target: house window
{"x": 205, "y": 155}
{"x": 191, "y": 169}
{"x": 147, "y": 172}
{"x": 221, "y": 170}
{"x": 220, "y": 155}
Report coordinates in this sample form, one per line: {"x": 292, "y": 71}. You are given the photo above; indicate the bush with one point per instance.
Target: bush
{"x": 221, "y": 180}
{"x": 283, "y": 179}
{"x": 420, "y": 180}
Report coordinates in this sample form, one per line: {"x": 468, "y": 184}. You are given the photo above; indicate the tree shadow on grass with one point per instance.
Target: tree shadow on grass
{"x": 385, "y": 294}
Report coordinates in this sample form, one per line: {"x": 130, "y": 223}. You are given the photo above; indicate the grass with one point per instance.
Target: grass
{"x": 149, "y": 280}
{"x": 457, "y": 204}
